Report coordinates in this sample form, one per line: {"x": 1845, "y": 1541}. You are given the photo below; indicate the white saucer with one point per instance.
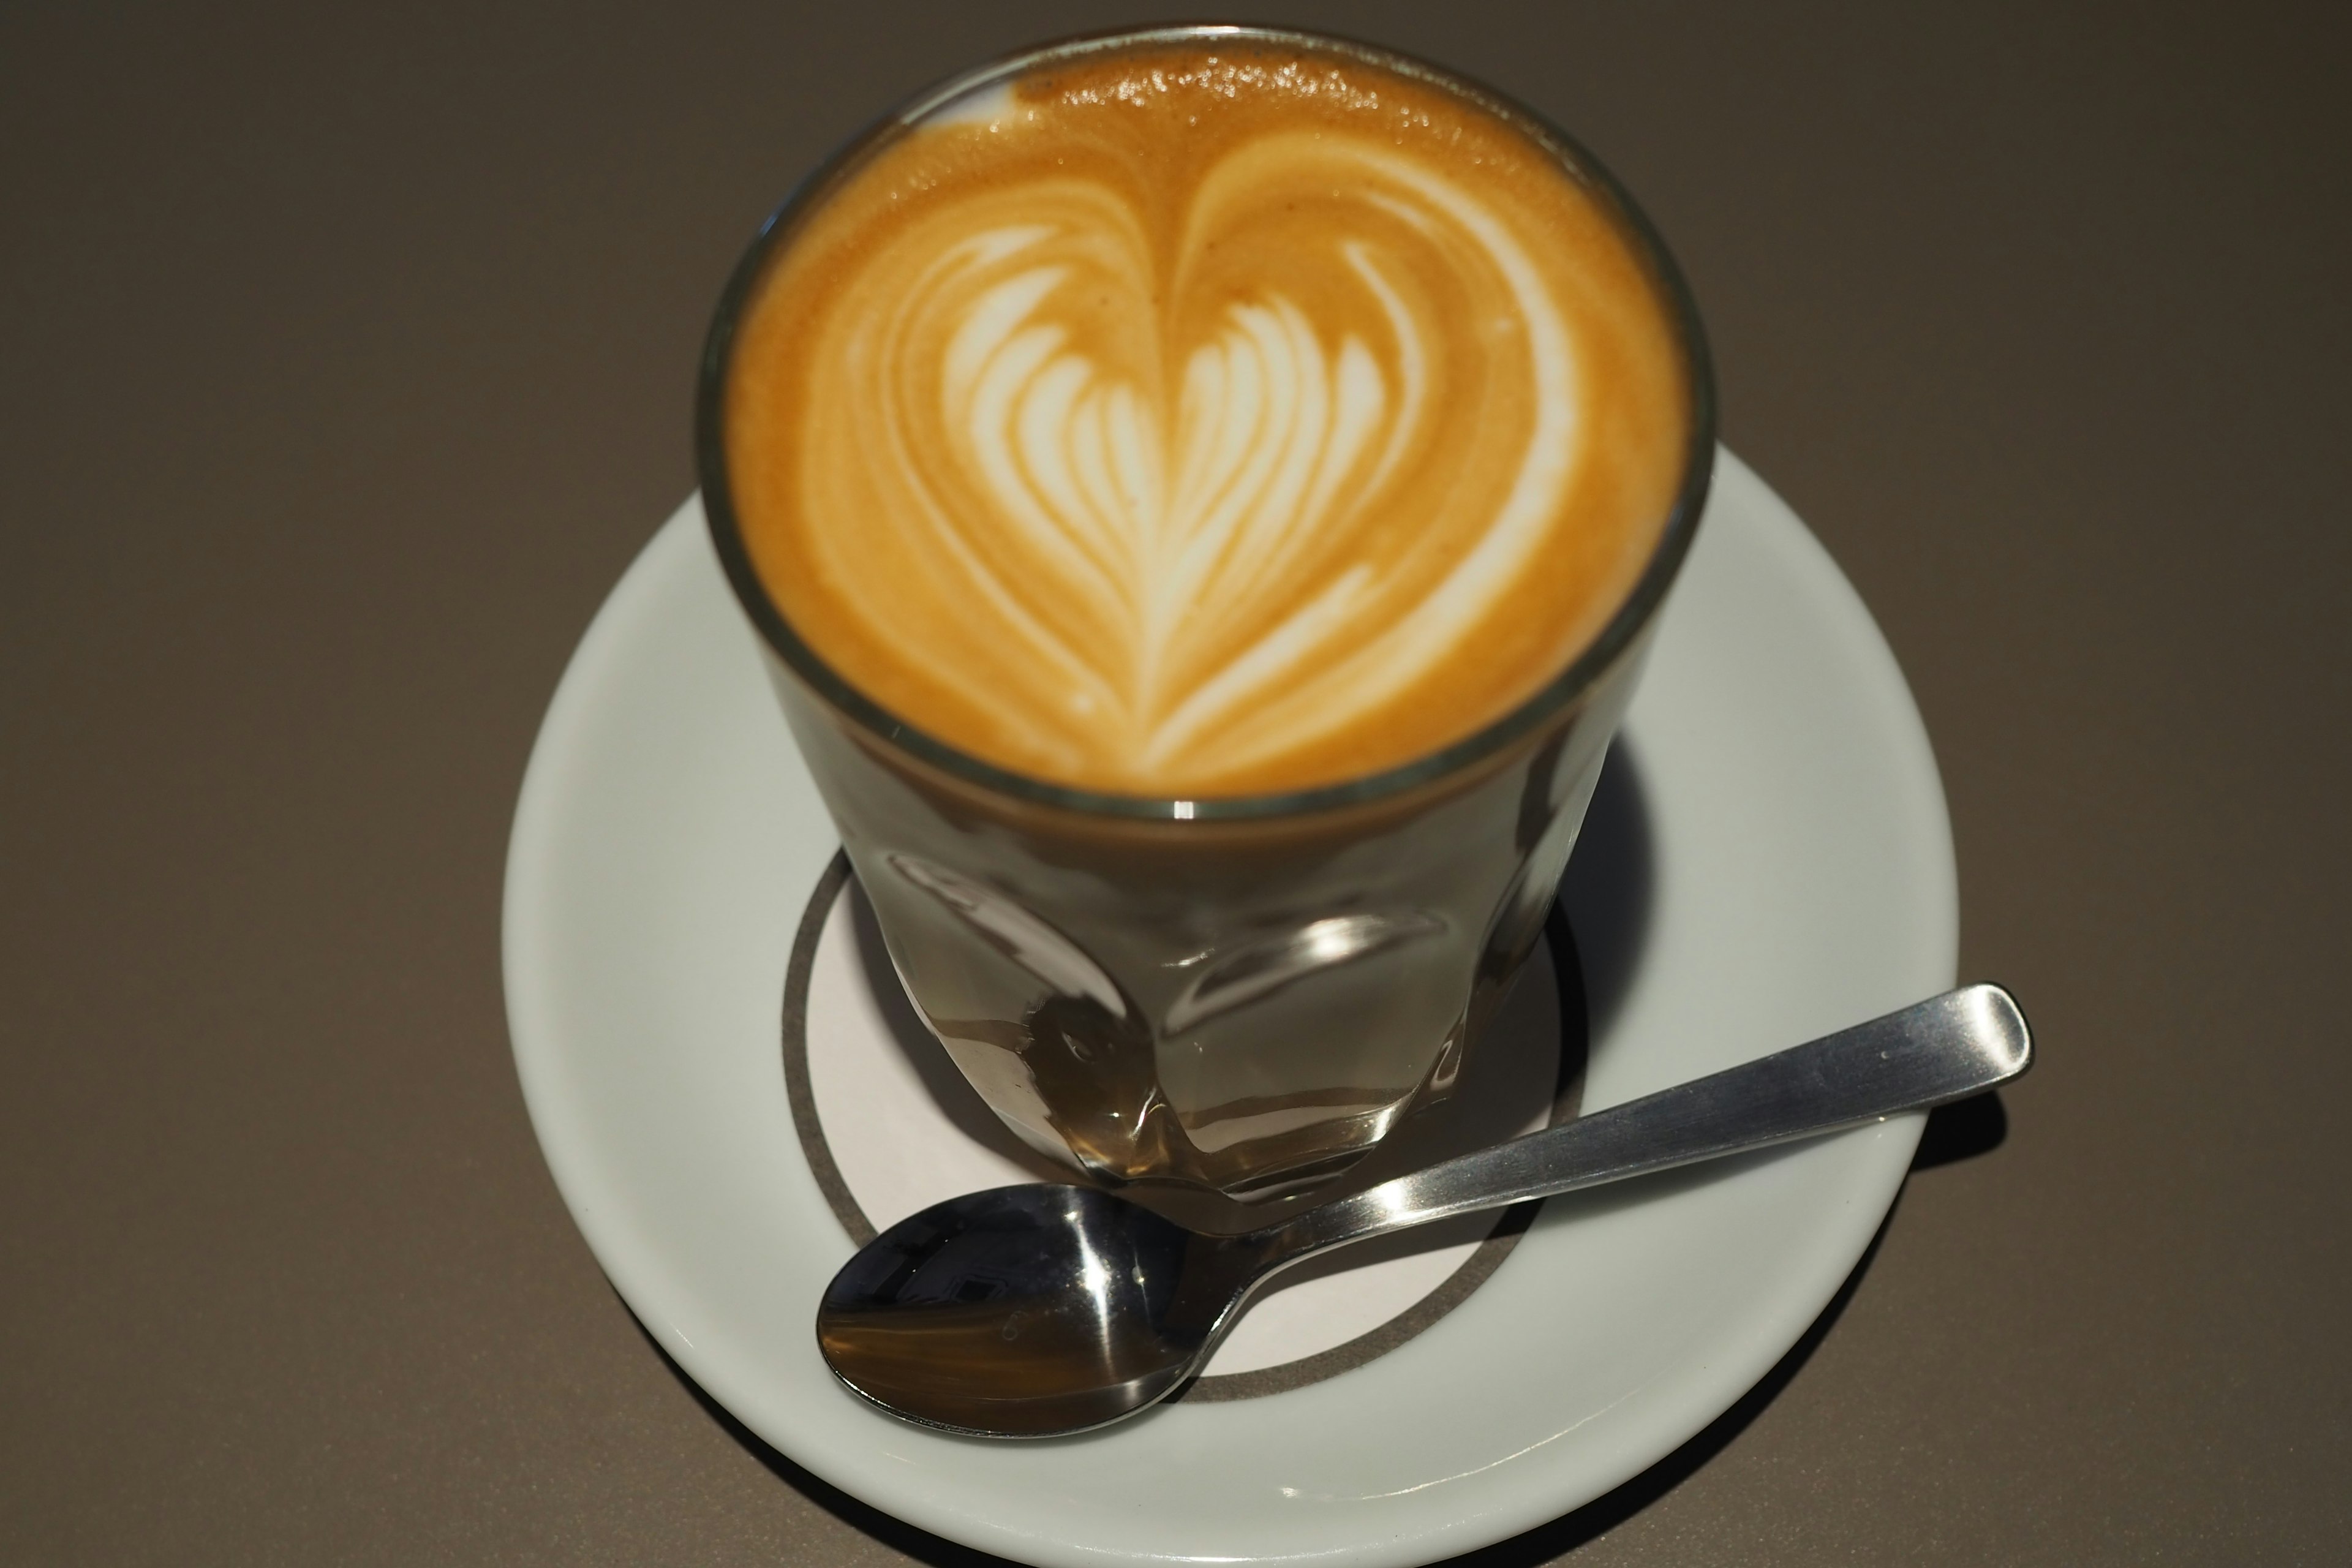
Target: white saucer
{"x": 1779, "y": 865}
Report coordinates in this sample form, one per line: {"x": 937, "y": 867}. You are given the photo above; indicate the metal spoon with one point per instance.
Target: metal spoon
{"x": 1032, "y": 1311}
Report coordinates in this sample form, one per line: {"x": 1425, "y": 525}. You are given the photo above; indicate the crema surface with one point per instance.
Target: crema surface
{"x": 1190, "y": 423}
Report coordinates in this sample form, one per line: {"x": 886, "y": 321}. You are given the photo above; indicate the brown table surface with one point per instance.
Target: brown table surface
{"x": 346, "y": 361}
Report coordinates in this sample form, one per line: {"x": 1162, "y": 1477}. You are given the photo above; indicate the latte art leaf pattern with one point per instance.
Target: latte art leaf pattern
{"x": 1161, "y": 485}
{"x": 1188, "y": 531}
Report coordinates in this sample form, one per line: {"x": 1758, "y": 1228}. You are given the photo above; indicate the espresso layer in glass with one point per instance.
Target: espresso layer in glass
{"x": 1205, "y": 419}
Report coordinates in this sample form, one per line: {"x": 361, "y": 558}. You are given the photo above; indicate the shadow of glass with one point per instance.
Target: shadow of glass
{"x": 1610, "y": 885}
{"x": 941, "y": 1079}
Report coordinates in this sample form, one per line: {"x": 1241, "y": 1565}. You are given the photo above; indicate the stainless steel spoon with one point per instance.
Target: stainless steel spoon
{"x": 1032, "y": 1311}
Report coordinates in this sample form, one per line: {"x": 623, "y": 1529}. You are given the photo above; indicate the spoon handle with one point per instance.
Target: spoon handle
{"x": 1942, "y": 1049}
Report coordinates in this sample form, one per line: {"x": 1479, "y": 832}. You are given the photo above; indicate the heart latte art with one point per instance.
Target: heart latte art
{"x": 1186, "y": 425}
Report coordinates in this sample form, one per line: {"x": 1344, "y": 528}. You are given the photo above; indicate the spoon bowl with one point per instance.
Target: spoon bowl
{"x": 1027, "y": 1310}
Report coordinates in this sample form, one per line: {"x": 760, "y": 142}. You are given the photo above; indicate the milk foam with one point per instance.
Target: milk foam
{"x": 1124, "y": 512}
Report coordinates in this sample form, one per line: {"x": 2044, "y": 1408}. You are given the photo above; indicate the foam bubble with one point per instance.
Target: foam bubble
{"x": 990, "y": 103}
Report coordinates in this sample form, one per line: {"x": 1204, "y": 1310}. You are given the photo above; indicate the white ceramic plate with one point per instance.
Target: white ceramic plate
{"x": 1785, "y": 869}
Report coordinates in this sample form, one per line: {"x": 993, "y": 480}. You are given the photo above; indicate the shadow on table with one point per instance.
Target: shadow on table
{"x": 1962, "y": 1131}
{"x": 920, "y": 1545}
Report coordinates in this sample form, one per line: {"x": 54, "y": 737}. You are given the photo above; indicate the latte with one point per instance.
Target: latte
{"x": 1205, "y": 421}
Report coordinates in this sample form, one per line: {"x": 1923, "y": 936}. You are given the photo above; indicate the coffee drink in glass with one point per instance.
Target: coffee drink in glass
{"x": 1206, "y": 493}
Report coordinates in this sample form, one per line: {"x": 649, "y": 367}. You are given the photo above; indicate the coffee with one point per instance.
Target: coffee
{"x": 1280, "y": 442}
{"x": 1211, "y": 418}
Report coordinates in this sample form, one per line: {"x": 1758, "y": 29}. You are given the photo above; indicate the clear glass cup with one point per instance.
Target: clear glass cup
{"x": 1237, "y": 995}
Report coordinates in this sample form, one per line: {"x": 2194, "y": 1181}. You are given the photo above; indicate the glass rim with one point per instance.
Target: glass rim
{"x": 1555, "y": 697}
